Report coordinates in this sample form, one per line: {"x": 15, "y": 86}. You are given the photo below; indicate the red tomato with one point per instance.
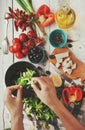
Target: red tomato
{"x": 38, "y": 41}
{"x": 19, "y": 55}
{"x": 30, "y": 43}
{"x": 31, "y": 34}
{"x": 17, "y": 47}
{"x": 43, "y": 9}
{"x": 23, "y": 37}
{"x": 24, "y": 50}
{"x": 11, "y": 49}
{"x": 79, "y": 94}
{"x": 15, "y": 40}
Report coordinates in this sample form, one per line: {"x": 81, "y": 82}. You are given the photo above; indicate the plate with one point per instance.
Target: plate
{"x": 13, "y": 72}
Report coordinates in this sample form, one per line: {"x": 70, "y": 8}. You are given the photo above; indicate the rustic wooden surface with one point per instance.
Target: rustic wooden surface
{"x": 77, "y": 33}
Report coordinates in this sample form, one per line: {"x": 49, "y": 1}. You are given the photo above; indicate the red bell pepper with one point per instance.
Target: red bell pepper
{"x": 45, "y": 16}
{"x": 71, "y": 94}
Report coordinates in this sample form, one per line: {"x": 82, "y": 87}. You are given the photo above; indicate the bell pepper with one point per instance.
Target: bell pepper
{"x": 45, "y": 16}
{"x": 71, "y": 94}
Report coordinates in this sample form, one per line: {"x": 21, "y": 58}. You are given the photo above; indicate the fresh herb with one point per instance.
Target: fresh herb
{"x": 40, "y": 111}
{"x": 25, "y": 78}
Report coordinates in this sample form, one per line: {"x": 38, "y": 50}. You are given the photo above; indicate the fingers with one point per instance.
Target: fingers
{"x": 11, "y": 89}
{"x": 36, "y": 89}
{"x": 19, "y": 93}
{"x": 40, "y": 80}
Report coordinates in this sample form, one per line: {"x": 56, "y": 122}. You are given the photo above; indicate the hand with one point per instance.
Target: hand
{"x": 47, "y": 93}
{"x": 14, "y": 104}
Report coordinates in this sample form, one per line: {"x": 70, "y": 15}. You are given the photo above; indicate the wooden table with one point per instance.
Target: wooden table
{"x": 76, "y": 33}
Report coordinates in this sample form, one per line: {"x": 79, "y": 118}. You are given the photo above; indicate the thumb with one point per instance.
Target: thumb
{"x": 19, "y": 93}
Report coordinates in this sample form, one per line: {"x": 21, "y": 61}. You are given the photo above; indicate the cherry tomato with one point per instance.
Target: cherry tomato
{"x": 15, "y": 40}
{"x": 38, "y": 41}
{"x": 11, "y": 49}
{"x": 30, "y": 43}
{"x": 23, "y": 37}
{"x": 24, "y": 50}
{"x": 19, "y": 55}
{"x": 31, "y": 34}
{"x": 17, "y": 47}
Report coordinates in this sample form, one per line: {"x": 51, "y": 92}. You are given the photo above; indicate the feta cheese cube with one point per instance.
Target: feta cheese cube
{"x": 73, "y": 66}
{"x": 57, "y": 65}
{"x": 62, "y": 55}
{"x": 59, "y": 60}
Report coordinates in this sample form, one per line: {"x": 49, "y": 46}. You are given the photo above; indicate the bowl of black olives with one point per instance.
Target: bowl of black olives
{"x": 36, "y": 54}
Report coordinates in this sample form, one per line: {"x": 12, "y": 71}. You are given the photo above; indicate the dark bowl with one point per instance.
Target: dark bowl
{"x": 36, "y": 55}
{"x": 58, "y": 38}
{"x": 13, "y": 72}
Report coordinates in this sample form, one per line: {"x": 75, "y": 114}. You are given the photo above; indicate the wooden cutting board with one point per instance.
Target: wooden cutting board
{"x": 79, "y": 72}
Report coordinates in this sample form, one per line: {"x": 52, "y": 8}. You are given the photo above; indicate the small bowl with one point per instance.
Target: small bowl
{"x": 36, "y": 55}
{"x": 58, "y": 38}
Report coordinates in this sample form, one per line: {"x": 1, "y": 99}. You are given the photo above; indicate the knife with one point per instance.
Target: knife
{"x": 63, "y": 76}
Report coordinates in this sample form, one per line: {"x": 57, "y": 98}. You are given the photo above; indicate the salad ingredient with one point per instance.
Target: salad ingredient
{"x": 21, "y": 19}
{"x": 11, "y": 49}
{"x": 15, "y": 40}
{"x": 25, "y": 78}
{"x": 62, "y": 55}
{"x": 24, "y": 43}
{"x": 25, "y": 19}
{"x": 72, "y": 94}
{"x": 57, "y": 81}
{"x": 24, "y": 50}
{"x": 30, "y": 43}
{"x": 23, "y": 37}
{"x": 19, "y": 55}
{"x": 39, "y": 41}
{"x": 45, "y": 16}
{"x": 31, "y": 34}
{"x": 17, "y": 47}
{"x": 65, "y": 61}
{"x": 43, "y": 9}
{"x": 36, "y": 54}
{"x": 40, "y": 111}
{"x": 26, "y": 5}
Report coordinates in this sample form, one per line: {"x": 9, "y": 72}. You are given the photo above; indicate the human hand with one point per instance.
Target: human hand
{"x": 47, "y": 93}
{"x": 14, "y": 104}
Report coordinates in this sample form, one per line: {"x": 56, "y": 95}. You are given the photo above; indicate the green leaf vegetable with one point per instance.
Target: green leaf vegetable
{"x": 33, "y": 104}
{"x": 25, "y": 78}
{"x": 40, "y": 111}
{"x": 26, "y": 5}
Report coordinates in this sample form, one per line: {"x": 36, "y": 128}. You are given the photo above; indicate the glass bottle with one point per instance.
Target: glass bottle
{"x": 65, "y": 16}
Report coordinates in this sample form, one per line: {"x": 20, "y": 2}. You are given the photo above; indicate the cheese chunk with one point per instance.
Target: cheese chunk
{"x": 59, "y": 60}
{"x": 73, "y": 66}
{"x": 62, "y": 55}
{"x": 57, "y": 65}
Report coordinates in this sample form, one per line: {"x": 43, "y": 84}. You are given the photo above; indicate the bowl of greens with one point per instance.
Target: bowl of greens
{"x": 21, "y": 73}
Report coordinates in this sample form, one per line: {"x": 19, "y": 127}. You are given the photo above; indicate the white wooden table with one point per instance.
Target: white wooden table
{"x": 76, "y": 33}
